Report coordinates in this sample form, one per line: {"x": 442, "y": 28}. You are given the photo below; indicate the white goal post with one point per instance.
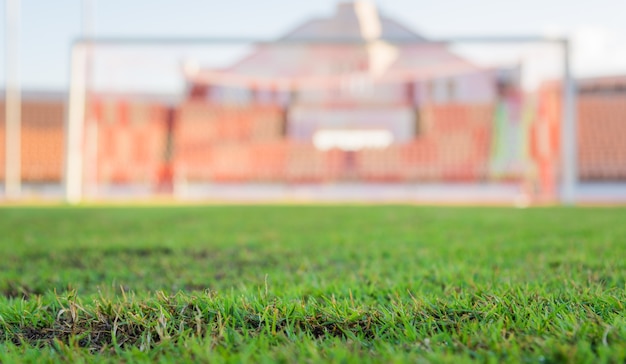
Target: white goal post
{"x": 13, "y": 155}
{"x": 75, "y": 133}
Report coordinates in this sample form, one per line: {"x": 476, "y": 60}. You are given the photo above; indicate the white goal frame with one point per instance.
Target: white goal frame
{"x": 79, "y": 50}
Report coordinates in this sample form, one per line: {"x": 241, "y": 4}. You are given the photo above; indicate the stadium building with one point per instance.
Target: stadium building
{"x": 317, "y": 108}
{"x": 313, "y": 109}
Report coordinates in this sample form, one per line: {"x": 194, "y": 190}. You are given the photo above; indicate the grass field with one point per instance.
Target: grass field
{"x": 313, "y": 283}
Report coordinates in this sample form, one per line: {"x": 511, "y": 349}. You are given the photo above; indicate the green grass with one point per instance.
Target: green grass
{"x": 313, "y": 283}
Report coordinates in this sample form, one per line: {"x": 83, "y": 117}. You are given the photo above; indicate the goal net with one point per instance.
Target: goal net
{"x": 408, "y": 120}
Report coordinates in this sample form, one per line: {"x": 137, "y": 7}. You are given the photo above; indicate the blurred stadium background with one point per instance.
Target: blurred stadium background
{"x": 352, "y": 106}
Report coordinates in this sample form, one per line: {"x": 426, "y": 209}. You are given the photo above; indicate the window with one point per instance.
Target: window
{"x": 352, "y": 139}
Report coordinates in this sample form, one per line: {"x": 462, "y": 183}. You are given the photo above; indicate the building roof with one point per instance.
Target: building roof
{"x": 359, "y": 20}
{"x": 319, "y": 64}
{"x": 615, "y": 84}
{"x": 39, "y": 95}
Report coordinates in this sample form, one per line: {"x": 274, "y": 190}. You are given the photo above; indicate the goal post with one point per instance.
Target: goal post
{"x": 12, "y": 112}
{"x": 365, "y": 142}
{"x": 569, "y": 133}
{"x": 74, "y": 128}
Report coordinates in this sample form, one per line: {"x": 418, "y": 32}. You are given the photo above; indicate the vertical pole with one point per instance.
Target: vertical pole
{"x": 74, "y": 128}
{"x": 90, "y": 158}
{"x": 569, "y": 136}
{"x": 13, "y": 103}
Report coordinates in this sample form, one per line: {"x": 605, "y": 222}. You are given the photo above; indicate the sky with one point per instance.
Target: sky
{"x": 47, "y": 28}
